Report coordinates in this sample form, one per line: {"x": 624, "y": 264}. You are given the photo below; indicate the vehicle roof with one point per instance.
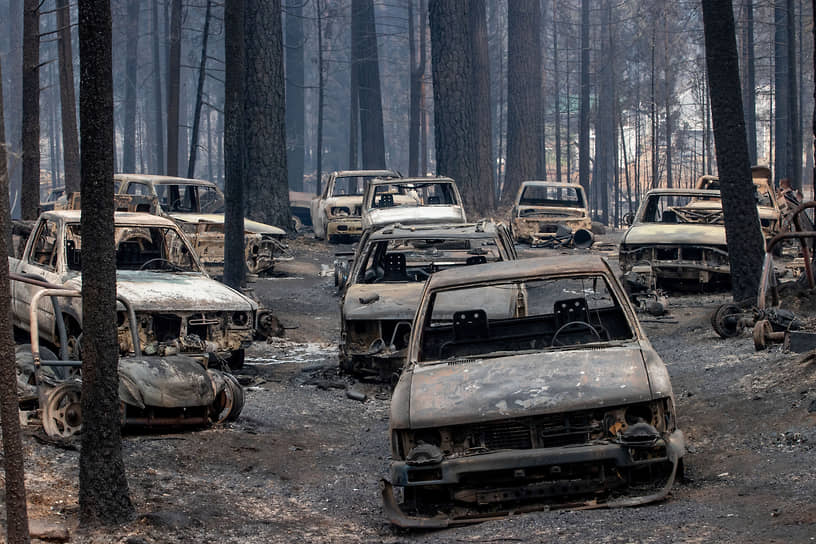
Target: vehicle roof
{"x": 578, "y": 265}
{"x": 681, "y": 192}
{"x": 550, "y": 184}
{"x": 368, "y": 173}
{"x": 485, "y": 229}
{"x": 162, "y": 180}
{"x": 119, "y": 218}
{"x": 410, "y": 181}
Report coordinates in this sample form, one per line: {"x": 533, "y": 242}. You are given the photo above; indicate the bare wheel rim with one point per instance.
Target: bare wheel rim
{"x": 62, "y": 413}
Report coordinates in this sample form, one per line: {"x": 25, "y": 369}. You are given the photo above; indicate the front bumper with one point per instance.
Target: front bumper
{"x": 464, "y": 476}
{"x": 527, "y": 229}
{"x": 344, "y": 226}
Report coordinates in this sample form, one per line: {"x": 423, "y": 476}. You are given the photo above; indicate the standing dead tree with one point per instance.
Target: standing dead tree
{"x": 745, "y": 243}
{"x": 173, "y": 88}
{"x": 202, "y": 74}
{"x": 30, "y": 192}
{"x": 131, "y": 73}
{"x": 16, "y": 509}
{"x": 103, "y": 488}
{"x": 70, "y": 136}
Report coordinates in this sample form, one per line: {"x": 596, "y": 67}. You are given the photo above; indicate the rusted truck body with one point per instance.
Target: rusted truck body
{"x": 198, "y": 207}
{"x": 383, "y": 288}
{"x": 555, "y": 399}
{"x": 412, "y": 201}
{"x": 543, "y": 207}
{"x": 179, "y": 308}
{"x": 336, "y": 212}
{"x": 678, "y": 235}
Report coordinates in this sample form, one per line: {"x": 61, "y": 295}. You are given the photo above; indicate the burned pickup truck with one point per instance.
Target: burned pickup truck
{"x": 390, "y": 268}
{"x": 528, "y": 384}
{"x": 412, "y": 201}
{"x": 550, "y": 213}
{"x": 179, "y": 309}
{"x": 198, "y": 208}
{"x": 678, "y": 236}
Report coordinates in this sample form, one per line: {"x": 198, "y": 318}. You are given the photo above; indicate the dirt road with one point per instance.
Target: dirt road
{"x": 303, "y": 461}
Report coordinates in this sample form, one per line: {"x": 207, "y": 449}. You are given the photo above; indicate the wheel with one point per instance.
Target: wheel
{"x": 726, "y": 320}
{"x": 582, "y": 324}
{"x": 62, "y": 413}
{"x": 761, "y": 329}
{"x": 228, "y": 405}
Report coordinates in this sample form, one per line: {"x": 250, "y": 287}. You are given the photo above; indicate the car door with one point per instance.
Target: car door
{"x": 318, "y": 210}
{"x": 42, "y": 262}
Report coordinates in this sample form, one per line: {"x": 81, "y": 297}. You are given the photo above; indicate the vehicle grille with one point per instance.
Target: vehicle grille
{"x": 548, "y": 431}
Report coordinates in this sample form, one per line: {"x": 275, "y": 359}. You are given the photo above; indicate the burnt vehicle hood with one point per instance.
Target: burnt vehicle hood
{"x": 477, "y": 390}
{"x": 180, "y": 292}
{"x": 388, "y": 301}
{"x": 674, "y": 234}
{"x": 349, "y": 201}
{"x": 549, "y": 212}
{"x": 251, "y": 226}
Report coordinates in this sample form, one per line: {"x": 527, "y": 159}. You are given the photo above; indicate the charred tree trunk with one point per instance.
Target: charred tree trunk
{"x": 103, "y": 487}
{"x": 749, "y": 85}
{"x": 70, "y": 137}
{"x": 782, "y": 168}
{"x": 30, "y": 192}
{"x": 745, "y": 243}
{"x": 480, "y": 83}
{"x": 267, "y": 189}
{"x": 158, "y": 103}
{"x": 14, "y": 66}
{"x": 234, "y": 144}
{"x": 372, "y": 138}
{"x": 15, "y": 493}
{"x": 202, "y": 74}
{"x": 451, "y": 56}
{"x": 523, "y": 93}
{"x": 131, "y": 75}
{"x": 418, "y": 62}
{"x": 321, "y": 95}
{"x": 173, "y": 88}
{"x": 354, "y": 96}
{"x": 583, "y": 144}
{"x": 295, "y": 100}
{"x": 794, "y": 134}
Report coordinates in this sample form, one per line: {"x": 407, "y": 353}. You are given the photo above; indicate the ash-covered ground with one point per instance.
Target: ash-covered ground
{"x": 302, "y": 463}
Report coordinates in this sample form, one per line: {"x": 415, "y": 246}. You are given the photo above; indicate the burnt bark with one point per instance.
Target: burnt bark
{"x": 131, "y": 73}
{"x": 202, "y": 73}
{"x": 267, "y": 190}
{"x": 557, "y": 95}
{"x": 321, "y": 86}
{"x": 70, "y": 136}
{"x": 103, "y": 488}
{"x": 295, "y": 99}
{"x": 749, "y": 84}
{"x": 745, "y": 242}
{"x": 583, "y": 131}
{"x": 364, "y": 38}
{"x": 794, "y": 133}
{"x": 158, "y": 104}
{"x": 234, "y": 148}
{"x": 13, "y": 93}
{"x": 418, "y": 64}
{"x": 523, "y": 94}
{"x": 453, "y": 98}
{"x": 173, "y": 88}
{"x": 30, "y": 191}
{"x": 782, "y": 167}
{"x": 480, "y": 83}
{"x": 15, "y": 493}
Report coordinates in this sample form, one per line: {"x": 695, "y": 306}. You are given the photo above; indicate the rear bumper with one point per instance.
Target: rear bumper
{"x": 464, "y": 476}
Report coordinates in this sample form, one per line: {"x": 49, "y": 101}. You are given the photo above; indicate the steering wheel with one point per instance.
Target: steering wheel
{"x": 174, "y": 266}
{"x": 583, "y": 324}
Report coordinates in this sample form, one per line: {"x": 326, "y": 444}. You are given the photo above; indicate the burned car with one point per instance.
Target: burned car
{"x": 383, "y": 288}
{"x": 154, "y": 391}
{"x": 198, "y": 207}
{"x": 336, "y": 212}
{"x": 180, "y": 309}
{"x": 412, "y": 201}
{"x": 528, "y": 384}
{"x": 551, "y": 213}
{"x": 768, "y": 208}
{"x": 678, "y": 235}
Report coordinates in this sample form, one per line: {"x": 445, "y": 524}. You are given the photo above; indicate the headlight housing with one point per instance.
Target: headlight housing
{"x": 339, "y": 211}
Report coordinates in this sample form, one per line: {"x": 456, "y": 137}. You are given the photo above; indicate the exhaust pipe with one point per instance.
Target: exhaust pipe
{"x": 582, "y": 239}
